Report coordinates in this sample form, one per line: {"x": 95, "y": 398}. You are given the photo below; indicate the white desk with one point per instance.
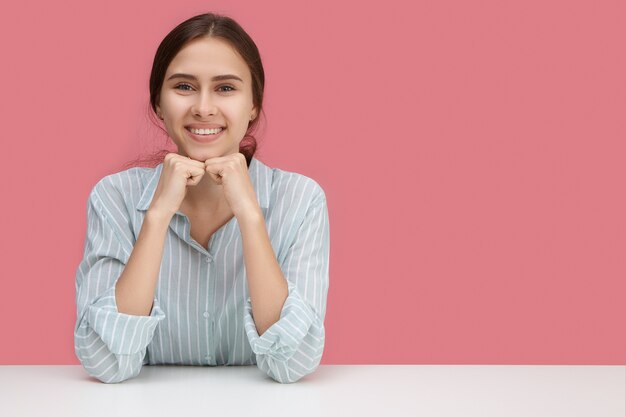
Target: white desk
{"x": 333, "y": 390}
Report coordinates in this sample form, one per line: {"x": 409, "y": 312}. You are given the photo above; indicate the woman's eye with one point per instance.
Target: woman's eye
{"x": 228, "y": 86}
{"x": 183, "y": 85}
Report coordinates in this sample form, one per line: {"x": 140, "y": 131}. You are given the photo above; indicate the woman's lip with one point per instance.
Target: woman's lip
{"x": 204, "y": 138}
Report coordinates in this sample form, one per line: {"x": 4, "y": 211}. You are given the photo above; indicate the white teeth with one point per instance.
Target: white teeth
{"x": 206, "y": 131}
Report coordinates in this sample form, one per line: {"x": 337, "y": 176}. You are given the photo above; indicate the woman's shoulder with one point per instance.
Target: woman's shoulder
{"x": 297, "y": 182}
{"x": 123, "y": 186}
{"x": 291, "y": 184}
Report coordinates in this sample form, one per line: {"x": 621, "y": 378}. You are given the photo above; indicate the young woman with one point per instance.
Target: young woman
{"x": 212, "y": 257}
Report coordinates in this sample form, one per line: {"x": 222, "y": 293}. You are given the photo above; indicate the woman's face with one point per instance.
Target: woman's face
{"x": 203, "y": 101}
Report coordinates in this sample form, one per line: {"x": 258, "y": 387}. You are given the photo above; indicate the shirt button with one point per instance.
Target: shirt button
{"x": 206, "y": 314}
{"x": 208, "y": 259}
{"x": 207, "y": 357}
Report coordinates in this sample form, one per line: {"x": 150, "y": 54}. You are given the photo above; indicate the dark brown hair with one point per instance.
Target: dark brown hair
{"x": 205, "y": 25}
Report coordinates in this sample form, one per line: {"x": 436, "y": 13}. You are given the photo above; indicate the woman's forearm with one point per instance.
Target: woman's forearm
{"x": 266, "y": 282}
{"x": 134, "y": 290}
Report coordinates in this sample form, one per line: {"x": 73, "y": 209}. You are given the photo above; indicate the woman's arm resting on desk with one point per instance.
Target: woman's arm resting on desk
{"x": 110, "y": 345}
{"x": 292, "y": 347}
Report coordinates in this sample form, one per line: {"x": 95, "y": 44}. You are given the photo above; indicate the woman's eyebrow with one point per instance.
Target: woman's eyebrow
{"x": 216, "y": 78}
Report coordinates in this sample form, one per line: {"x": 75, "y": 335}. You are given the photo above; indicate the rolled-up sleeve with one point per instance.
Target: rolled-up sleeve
{"x": 110, "y": 345}
{"x": 292, "y": 347}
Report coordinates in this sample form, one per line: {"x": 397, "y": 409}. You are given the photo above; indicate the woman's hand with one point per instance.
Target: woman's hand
{"x": 178, "y": 173}
{"x": 231, "y": 172}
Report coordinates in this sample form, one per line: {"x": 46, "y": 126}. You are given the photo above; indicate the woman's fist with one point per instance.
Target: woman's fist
{"x": 178, "y": 173}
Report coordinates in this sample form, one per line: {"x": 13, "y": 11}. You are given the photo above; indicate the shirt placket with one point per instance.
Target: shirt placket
{"x": 181, "y": 226}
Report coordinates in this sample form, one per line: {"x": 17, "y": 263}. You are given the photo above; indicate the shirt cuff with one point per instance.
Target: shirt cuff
{"x": 282, "y": 339}
{"x": 123, "y": 334}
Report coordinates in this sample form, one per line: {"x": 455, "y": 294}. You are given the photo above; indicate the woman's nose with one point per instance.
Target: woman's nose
{"x": 204, "y": 104}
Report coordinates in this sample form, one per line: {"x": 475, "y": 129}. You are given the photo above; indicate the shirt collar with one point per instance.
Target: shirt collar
{"x": 260, "y": 175}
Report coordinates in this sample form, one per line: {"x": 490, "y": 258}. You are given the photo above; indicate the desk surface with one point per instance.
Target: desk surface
{"x": 332, "y": 390}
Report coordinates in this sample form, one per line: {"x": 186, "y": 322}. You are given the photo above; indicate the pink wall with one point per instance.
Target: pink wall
{"x": 472, "y": 154}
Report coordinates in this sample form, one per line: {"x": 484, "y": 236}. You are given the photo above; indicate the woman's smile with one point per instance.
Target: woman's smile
{"x": 204, "y": 136}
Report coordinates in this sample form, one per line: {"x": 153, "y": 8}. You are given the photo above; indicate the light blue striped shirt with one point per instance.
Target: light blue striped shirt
{"x": 202, "y": 313}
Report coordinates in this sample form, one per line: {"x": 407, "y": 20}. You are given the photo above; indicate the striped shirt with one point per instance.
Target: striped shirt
{"x": 202, "y": 314}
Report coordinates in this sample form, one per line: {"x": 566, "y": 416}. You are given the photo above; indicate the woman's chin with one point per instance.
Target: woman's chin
{"x": 202, "y": 156}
